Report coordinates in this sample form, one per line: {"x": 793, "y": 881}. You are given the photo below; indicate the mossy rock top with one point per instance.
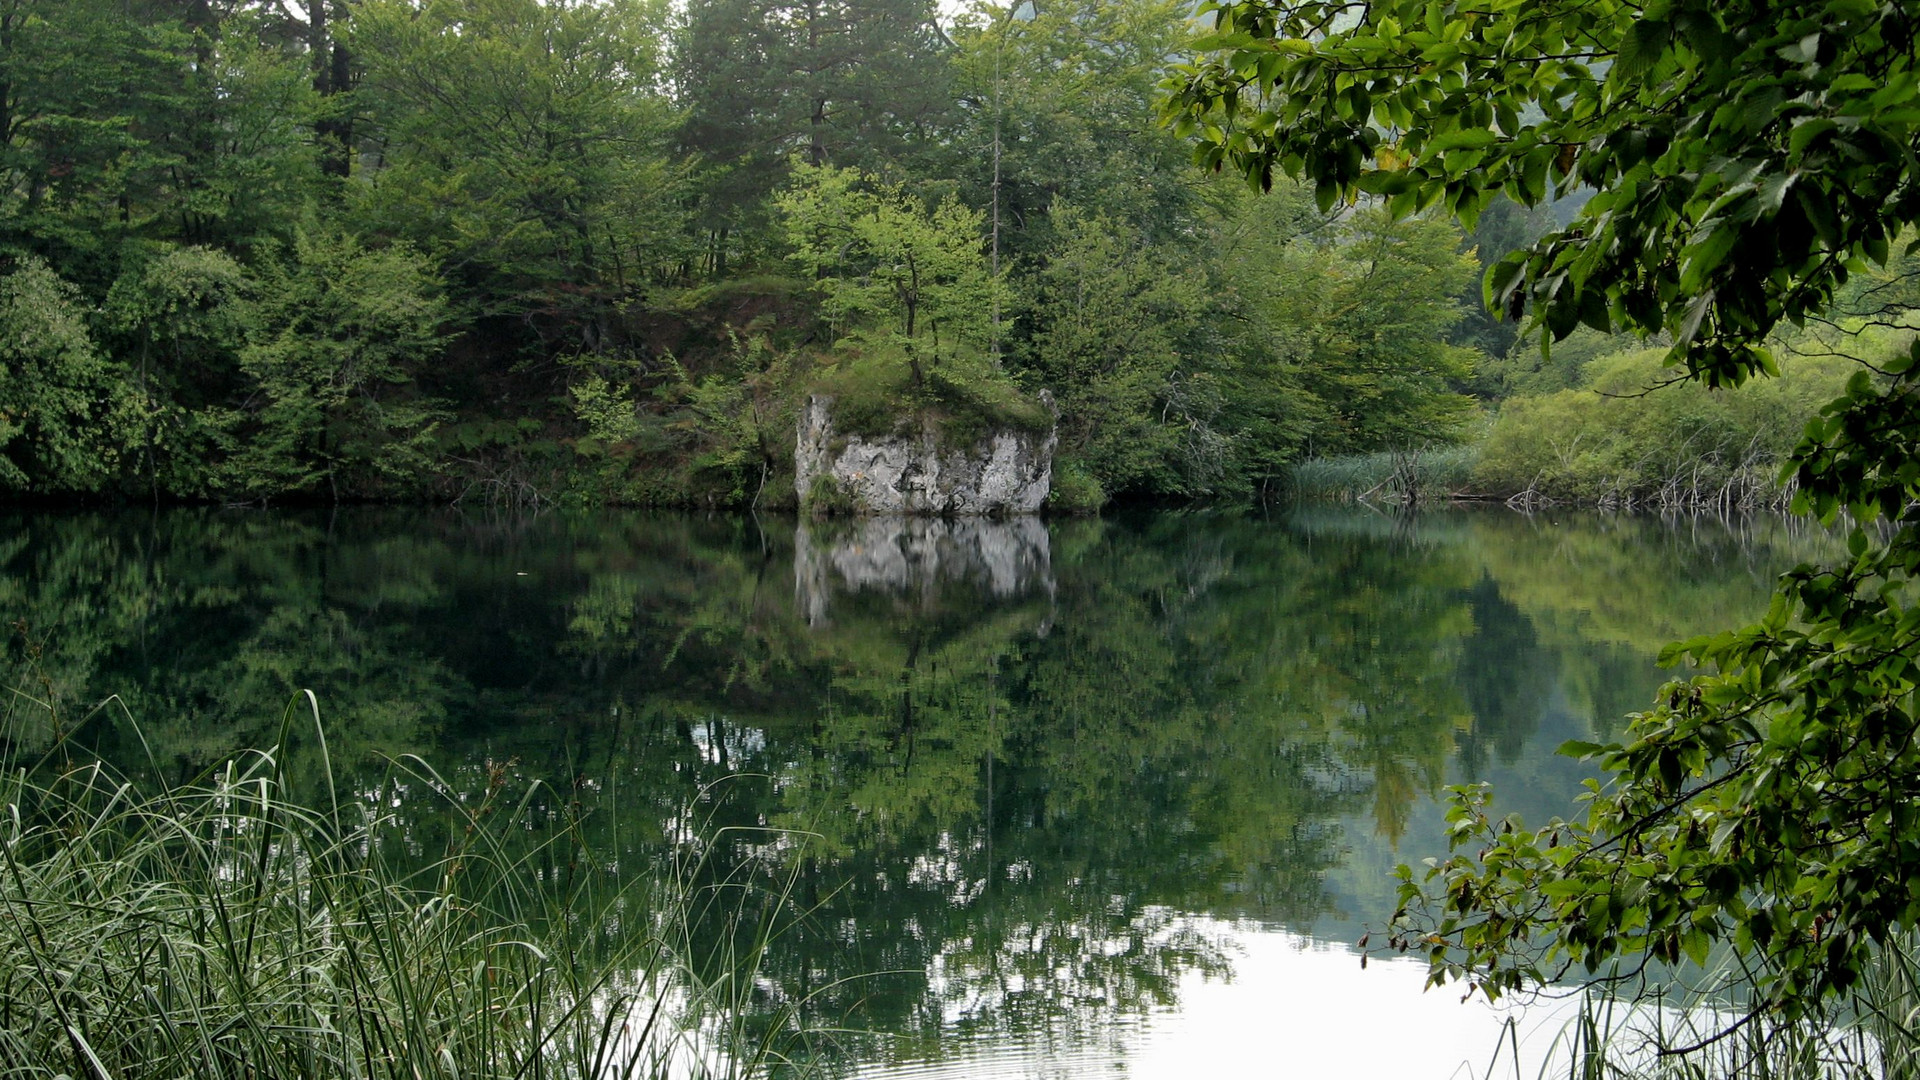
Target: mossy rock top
{"x": 878, "y": 389}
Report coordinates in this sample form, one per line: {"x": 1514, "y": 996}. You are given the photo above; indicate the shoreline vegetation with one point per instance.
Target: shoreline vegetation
{"x": 520, "y": 253}
{"x": 1649, "y": 1027}
{"x": 1607, "y": 426}
{"x": 1629, "y": 1032}
{"x": 1600, "y": 422}
{"x": 1620, "y": 434}
{"x": 253, "y": 923}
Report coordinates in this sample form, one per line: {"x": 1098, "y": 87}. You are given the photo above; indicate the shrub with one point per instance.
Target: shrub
{"x": 961, "y": 393}
{"x": 1632, "y": 441}
{"x": 1075, "y": 489}
{"x": 827, "y": 498}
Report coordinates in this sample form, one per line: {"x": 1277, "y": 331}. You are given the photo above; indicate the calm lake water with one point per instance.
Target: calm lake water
{"x": 1074, "y": 799}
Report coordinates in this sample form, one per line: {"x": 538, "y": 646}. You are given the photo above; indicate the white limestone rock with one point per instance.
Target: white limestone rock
{"x": 1008, "y": 472}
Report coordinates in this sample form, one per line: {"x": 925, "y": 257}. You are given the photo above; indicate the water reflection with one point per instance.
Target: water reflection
{"x": 1039, "y": 768}
{"x": 918, "y": 558}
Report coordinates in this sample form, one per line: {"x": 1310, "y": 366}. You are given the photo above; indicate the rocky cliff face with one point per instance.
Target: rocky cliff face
{"x": 1008, "y": 472}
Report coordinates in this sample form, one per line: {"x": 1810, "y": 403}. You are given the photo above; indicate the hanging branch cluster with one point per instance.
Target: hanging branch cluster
{"x": 1745, "y": 159}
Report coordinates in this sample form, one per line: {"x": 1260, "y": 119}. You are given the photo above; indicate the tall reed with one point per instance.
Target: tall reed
{"x": 1872, "y": 1033}
{"x": 223, "y": 929}
{"x": 1431, "y": 474}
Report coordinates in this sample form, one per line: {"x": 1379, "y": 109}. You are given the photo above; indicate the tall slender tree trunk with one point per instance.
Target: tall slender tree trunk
{"x": 7, "y": 31}
{"x": 817, "y": 121}
{"x": 204, "y": 26}
{"x": 332, "y": 76}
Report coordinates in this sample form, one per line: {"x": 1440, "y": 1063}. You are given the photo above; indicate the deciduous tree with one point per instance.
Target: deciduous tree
{"x": 346, "y": 329}
{"x": 884, "y": 259}
{"x": 62, "y": 403}
{"x": 860, "y": 84}
{"x": 523, "y": 146}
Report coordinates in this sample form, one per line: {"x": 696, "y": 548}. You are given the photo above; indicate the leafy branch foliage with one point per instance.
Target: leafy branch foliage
{"x": 350, "y": 325}
{"x": 55, "y": 388}
{"x": 880, "y": 256}
{"x": 1748, "y": 160}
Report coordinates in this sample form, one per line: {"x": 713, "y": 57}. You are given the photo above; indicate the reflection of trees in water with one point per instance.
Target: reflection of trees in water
{"x": 205, "y": 625}
{"x": 1506, "y": 676}
{"x": 1019, "y": 755}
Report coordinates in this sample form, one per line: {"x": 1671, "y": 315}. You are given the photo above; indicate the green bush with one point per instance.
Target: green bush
{"x": 1629, "y": 440}
{"x": 826, "y": 498}
{"x": 960, "y": 393}
{"x": 1075, "y": 489}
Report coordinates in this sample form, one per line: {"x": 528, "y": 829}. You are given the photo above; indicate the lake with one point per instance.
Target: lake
{"x": 1025, "y": 799}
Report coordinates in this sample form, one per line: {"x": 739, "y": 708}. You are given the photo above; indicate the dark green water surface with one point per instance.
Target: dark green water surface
{"x": 1076, "y": 790}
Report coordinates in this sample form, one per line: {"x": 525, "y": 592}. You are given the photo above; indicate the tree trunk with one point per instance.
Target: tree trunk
{"x": 817, "y": 122}
{"x": 332, "y": 76}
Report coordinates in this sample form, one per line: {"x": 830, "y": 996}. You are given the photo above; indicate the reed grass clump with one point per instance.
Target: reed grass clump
{"x": 224, "y": 929}
{"x": 1703, "y": 1033}
{"x": 1396, "y": 477}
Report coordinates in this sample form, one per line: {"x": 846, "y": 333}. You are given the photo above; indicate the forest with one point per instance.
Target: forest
{"x": 600, "y": 252}
{"x": 526, "y": 252}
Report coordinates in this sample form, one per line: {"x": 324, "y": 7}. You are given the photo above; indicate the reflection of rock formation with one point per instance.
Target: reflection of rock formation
{"x": 919, "y": 556}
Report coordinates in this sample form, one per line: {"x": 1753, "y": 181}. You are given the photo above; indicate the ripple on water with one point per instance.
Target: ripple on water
{"x": 1292, "y": 1007}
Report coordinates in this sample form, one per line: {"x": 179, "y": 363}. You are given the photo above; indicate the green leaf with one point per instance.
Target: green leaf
{"x": 1875, "y": 248}
{"x": 1640, "y": 50}
{"x": 1705, "y": 255}
{"x": 1385, "y": 182}
{"x": 1502, "y": 278}
{"x": 1695, "y": 943}
{"x": 1805, "y": 132}
{"x": 1463, "y": 139}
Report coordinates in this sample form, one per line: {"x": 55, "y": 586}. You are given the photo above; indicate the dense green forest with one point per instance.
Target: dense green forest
{"x": 599, "y": 251}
